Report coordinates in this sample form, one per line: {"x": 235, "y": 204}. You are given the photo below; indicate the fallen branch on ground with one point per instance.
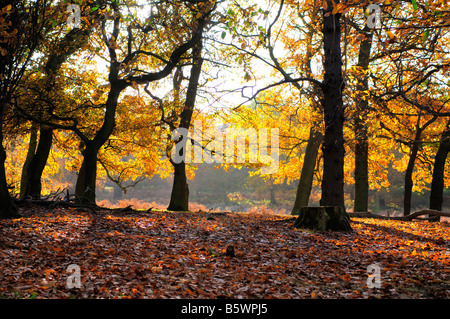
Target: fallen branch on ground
{"x": 58, "y": 203}
{"x": 410, "y": 217}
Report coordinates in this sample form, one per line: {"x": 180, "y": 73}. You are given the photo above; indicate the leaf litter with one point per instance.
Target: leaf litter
{"x": 162, "y": 254}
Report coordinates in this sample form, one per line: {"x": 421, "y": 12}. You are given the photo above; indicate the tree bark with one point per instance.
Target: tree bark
{"x": 402, "y": 218}
{"x": 408, "y": 175}
{"x": 437, "y": 182}
{"x": 24, "y": 182}
{"x": 361, "y": 201}
{"x": 117, "y": 192}
{"x": 179, "y": 198}
{"x": 7, "y": 207}
{"x": 87, "y": 176}
{"x": 333, "y": 84}
{"x": 37, "y": 164}
{"x": 273, "y": 201}
{"x": 307, "y": 174}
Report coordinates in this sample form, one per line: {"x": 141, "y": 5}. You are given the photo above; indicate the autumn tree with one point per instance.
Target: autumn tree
{"x": 22, "y": 27}
{"x": 126, "y": 54}
{"x": 437, "y": 183}
{"x": 56, "y": 53}
{"x": 332, "y": 106}
{"x": 308, "y": 20}
{"x": 179, "y": 198}
{"x": 413, "y": 97}
{"x": 293, "y": 26}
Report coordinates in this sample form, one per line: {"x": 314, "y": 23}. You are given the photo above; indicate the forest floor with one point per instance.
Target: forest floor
{"x": 162, "y": 254}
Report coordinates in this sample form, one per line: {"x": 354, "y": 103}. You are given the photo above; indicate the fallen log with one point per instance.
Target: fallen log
{"x": 56, "y": 204}
{"x": 32, "y": 202}
{"x": 409, "y": 217}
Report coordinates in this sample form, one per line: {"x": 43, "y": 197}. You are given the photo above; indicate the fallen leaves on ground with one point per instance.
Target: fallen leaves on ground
{"x": 168, "y": 255}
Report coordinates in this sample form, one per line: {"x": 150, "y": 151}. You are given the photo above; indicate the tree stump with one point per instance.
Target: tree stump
{"x": 323, "y": 218}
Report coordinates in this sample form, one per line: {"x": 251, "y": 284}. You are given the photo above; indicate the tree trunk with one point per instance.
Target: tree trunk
{"x": 307, "y": 175}
{"x": 361, "y": 202}
{"x": 437, "y": 183}
{"x": 179, "y": 198}
{"x": 408, "y": 179}
{"x": 37, "y": 164}
{"x": 87, "y": 176}
{"x": 409, "y": 170}
{"x": 323, "y": 218}
{"x": 412, "y": 158}
{"x": 381, "y": 202}
{"x": 273, "y": 201}
{"x": 333, "y": 84}
{"x": 7, "y": 207}
{"x": 85, "y": 186}
{"x": 118, "y": 192}
{"x": 24, "y": 183}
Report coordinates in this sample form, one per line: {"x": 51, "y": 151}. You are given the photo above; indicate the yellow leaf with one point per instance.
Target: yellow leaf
{"x": 338, "y": 8}
{"x": 390, "y": 34}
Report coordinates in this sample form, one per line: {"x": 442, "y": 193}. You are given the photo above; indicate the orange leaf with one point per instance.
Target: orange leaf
{"x": 346, "y": 277}
{"x": 338, "y": 8}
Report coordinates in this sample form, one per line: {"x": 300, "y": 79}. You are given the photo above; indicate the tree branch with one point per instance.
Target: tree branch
{"x": 276, "y": 84}
{"x": 410, "y": 217}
